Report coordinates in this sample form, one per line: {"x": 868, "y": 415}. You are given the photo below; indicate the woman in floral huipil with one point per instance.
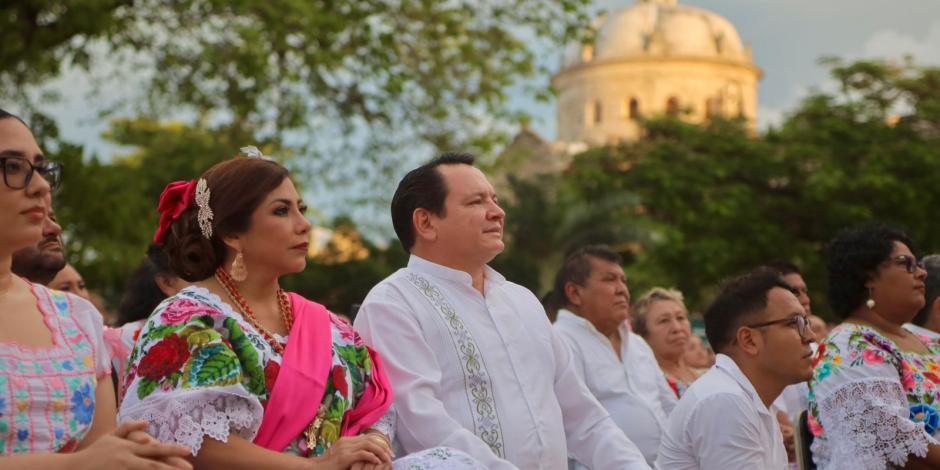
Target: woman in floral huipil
{"x": 875, "y": 392}
{"x": 244, "y": 373}
{"x": 55, "y": 387}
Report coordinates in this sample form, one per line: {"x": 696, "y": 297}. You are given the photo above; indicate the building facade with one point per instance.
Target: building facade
{"x": 653, "y": 58}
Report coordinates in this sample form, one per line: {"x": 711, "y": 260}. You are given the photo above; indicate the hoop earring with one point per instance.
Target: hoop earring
{"x": 238, "y": 271}
{"x": 870, "y": 303}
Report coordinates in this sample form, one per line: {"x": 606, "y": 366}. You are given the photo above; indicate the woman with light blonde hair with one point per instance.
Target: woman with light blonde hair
{"x": 660, "y": 317}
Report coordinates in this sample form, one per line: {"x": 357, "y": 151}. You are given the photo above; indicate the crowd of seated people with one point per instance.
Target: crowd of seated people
{"x": 209, "y": 363}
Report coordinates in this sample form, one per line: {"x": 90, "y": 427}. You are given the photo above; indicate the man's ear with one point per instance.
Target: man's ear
{"x": 573, "y": 294}
{"x": 748, "y": 340}
{"x": 423, "y": 222}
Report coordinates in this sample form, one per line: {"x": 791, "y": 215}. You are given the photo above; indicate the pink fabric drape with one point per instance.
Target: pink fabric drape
{"x": 301, "y": 382}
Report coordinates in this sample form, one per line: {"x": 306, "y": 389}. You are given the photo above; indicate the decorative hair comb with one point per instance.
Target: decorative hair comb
{"x": 251, "y": 151}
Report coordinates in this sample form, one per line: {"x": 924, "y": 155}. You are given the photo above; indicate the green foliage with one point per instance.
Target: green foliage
{"x": 441, "y": 69}
{"x": 709, "y": 202}
{"x": 108, "y": 210}
{"x": 39, "y": 37}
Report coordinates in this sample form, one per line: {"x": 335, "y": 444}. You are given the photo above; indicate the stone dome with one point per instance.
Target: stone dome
{"x": 661, "y": 28}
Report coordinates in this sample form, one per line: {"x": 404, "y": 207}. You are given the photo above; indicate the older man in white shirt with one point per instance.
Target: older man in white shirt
{"x": 724, "y": 420}
{"x": 616, "y": 364}
{"x": 472, "y": 357}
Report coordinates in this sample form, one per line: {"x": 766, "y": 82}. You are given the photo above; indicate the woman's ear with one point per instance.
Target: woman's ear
{"x": 233, "y": 242}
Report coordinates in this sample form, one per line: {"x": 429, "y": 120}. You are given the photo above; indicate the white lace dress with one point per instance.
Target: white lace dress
{"x": 199, "y": 369}
{"x": 871, "y": 404}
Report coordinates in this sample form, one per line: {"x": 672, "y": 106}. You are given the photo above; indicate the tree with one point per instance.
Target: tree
{"x": 428, "y": 70}
{"x": 712, "y": 201}
{"x": 108, "y": 211}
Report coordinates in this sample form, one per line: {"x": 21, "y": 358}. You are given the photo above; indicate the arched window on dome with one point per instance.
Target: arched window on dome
{"x": 713, "y": 107}
{"x": 593, "y": 113}
{"x": 672, "y": 106}
{"x": 631, "y": 109}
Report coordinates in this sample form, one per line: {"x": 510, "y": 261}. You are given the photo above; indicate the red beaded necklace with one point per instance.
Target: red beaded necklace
{"x": 283, "y": 303}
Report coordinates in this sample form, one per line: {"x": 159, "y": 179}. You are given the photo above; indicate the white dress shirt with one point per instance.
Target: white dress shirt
{"x": 485, "y": 374}
{"x": 632, "y": 389}
{"x": 720, "y": 423}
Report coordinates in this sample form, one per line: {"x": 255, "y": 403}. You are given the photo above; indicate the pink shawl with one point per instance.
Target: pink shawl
{"x": 301, "y": 382}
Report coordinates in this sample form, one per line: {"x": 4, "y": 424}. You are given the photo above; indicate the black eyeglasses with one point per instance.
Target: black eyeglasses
{"x": 18, "y": 172}
{"x": 910, "y": 263}
{"x": 801, "y": 322}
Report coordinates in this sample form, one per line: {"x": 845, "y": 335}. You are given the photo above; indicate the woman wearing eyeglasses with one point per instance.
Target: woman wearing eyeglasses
{"x": 56, "y": 400}
{"x": 876, "y": 387}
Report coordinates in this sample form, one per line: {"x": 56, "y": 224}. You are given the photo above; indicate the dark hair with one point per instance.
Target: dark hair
{"x": 854, "y": 256}
{"x": 4, "y": 114}
{"x": 142, "y": 294}
{"x": 931, "y": 288}
{"x": 237, "y": 187}
{"x": 422, "y": 188}
{"x": 783, "y": 267}
{"x": 552, "y": 302}
{"x": 740, "y": 300}
{"x": 577, "y": 268}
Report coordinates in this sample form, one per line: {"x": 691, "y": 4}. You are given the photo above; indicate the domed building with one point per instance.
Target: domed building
{"x": 653, "y": 58}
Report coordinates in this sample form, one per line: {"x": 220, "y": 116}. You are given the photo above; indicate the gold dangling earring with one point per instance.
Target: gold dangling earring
{"x": 239, "y": 271}
{"x": 870, "y": 303}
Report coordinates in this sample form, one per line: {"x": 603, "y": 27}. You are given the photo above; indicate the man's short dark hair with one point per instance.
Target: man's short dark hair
{"x": 4, "y": 114}
{"x": 423, "y": 188}
{"x": 783, "y": 267}
{"x": 931, "y": 288}
{"x": 577, "y": 267}
{"x": 740, "y": 301}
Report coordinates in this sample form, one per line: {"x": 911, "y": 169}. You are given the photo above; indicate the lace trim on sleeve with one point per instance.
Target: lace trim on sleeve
{"x": 867, "y": 425}
{"x": 386, "y": 424}
{"x": 188, "y": 419}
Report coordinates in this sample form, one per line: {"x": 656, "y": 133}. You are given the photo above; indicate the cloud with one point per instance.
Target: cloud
{"x": 892, "y": 44}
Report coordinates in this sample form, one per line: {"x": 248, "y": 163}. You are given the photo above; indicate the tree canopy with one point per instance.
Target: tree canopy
{"x": 708, "y": 202}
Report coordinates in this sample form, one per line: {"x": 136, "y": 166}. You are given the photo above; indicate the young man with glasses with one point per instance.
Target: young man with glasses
{"x": 762, "y": 337}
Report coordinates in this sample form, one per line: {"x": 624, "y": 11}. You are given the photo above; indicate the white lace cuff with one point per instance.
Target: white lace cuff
{"x": 187, "y": 418}
{"x": 386, "y": 424}
{"x": 867, "y": 425}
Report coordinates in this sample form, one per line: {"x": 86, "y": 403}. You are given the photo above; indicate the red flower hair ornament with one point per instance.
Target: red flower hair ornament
{"x": 176, "y": 198}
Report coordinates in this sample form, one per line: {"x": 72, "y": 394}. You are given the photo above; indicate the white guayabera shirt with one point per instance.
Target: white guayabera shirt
{"x": 485, "y": 374}
{"x": 633, "y": 390}
{"x": 721, "y": 423}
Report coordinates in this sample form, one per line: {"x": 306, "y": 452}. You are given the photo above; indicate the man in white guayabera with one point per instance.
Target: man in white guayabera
{"x": 724, "y": 420}
{"x": 472, "y": 357}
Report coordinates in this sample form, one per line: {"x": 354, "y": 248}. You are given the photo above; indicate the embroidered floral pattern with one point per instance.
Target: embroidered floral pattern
{"x": 479, "y": 389}
{"x": 865, "y": 406}
{"x": 47, "y": 394}
{"x": 196, "y": 344}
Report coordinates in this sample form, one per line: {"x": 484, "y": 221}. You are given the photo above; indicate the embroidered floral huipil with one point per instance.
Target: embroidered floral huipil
{"x": 199, "y": 369}
{"x": 47, "y": 394}
{"x": 872, "y": 404}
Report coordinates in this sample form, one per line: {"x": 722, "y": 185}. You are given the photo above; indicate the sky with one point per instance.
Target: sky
{"x": 789, "y": 36}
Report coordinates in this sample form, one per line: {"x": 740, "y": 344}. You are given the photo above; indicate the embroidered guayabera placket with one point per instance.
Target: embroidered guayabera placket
{"x": 478, "y": 386}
